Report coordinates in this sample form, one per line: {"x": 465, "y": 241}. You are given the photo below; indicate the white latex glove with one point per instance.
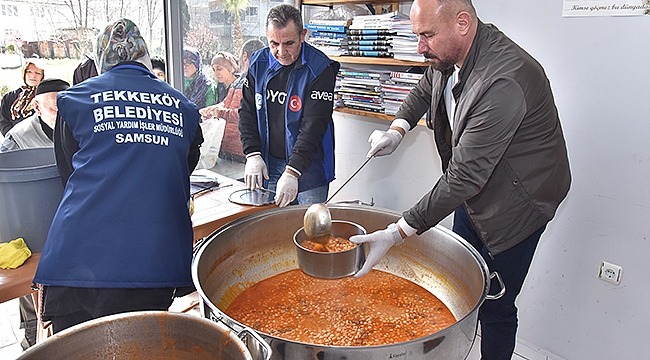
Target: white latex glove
{"x": 380, "y": 242}
{"x": 255, "y": 171}
{"x": 286, "y": 190}
{"x": 383, "y": 142}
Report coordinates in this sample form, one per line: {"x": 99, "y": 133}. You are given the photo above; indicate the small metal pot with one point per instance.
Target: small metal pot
{"x": 331, "y": 265}
{"x": 146, "y": 335}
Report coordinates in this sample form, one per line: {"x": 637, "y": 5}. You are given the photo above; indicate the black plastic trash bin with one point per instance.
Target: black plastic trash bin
{"x": 30, "y": 192}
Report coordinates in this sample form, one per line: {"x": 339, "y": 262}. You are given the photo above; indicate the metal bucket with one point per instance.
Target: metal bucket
{"x": 137, "y": 335}
{"x": 259, "y": 246}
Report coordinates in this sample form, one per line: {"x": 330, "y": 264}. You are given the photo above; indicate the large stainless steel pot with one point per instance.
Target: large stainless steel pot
{"x": 259, "y": 246}
{"x": 136, "y": 335}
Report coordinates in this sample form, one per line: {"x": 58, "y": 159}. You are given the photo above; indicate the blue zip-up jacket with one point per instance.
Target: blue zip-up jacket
{"x": 262, "y": 69}
{"x": 124, "y": 221}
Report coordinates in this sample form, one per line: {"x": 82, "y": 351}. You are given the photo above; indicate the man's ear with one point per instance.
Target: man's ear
{"x": 464, "y": 22}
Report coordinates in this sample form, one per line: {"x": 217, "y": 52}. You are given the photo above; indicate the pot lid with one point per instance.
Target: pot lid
{"x": 257, "y": 197}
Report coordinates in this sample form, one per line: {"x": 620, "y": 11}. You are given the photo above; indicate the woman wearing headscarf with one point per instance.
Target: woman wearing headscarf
{"x": 125, "y": 143}
{"x": 225, "y": 67}
{"x": 198, "y": 87}
{"x": 16, "y": 105}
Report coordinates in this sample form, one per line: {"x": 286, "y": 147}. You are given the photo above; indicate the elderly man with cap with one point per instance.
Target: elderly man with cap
{"x": 37, "y": 130}
{"x": 125, "y": 143}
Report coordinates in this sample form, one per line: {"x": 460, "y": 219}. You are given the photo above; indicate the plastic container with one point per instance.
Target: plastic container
{"x": 331, "y": 265}
{"x": 30, "y": 192}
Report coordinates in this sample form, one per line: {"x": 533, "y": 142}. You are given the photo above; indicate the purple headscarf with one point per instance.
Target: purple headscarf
{"x": 195, "y": 90}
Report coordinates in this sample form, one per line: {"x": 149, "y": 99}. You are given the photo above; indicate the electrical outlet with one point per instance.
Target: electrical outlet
{"x": 610, "y": 272}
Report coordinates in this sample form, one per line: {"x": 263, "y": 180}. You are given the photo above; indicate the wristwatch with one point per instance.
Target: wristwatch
{"x": 394, "y": 231}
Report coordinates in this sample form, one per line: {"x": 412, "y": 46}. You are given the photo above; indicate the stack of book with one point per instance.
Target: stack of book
{"x": 385, "y": 35}
{"x": 370, "y": 35}
{"x": 361, "y": 90}
{"x": 396, "y": 88}
{"x": 329, "y": 36}
{"x": 369, "y": 42}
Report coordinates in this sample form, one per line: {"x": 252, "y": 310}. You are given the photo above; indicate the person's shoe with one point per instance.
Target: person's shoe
{"x": 25, "y": 344}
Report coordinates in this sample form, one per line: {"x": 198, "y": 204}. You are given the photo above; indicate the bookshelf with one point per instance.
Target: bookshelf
{"x": 365, "y": 60}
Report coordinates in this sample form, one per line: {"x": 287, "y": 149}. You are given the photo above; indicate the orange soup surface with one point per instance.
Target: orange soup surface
{"x": 376, "y": 309}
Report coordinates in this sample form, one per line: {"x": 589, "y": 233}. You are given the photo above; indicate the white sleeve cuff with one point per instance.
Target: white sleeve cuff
{"x": 401, "y": 123}
{"x": 406, "y": 228}
{"x": 294, "y": 170}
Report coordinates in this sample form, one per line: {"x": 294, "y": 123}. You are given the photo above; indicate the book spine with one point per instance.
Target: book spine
{"x": 327, "y": 28}
{"x": 369, "y": 42}
{"x": 397, "y": 74}
{"x": 369, "y": 53}
{"x": 370, "y": 32}
{"x": 358, "y": 75}
{"x": 325, "y": 34}
{"x": 369, "y": 48}
{"x": 351, "y": 106}
{"x": 368, "y": 37}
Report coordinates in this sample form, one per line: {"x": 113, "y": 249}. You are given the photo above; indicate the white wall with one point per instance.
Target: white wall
{"x": 599, "y": 71}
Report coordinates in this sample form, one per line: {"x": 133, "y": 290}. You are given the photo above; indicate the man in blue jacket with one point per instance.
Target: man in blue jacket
{"x": 126, "y": 143}
{"x": 285, "y": 122}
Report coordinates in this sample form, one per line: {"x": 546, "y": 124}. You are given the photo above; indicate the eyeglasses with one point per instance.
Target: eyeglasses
{"x": 187, "y": 63}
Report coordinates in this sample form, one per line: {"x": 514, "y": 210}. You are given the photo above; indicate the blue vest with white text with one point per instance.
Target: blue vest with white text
{"x": 124, "y": 220}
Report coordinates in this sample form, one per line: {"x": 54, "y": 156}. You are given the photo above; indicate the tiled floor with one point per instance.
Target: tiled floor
{"x": 11, "y": 335}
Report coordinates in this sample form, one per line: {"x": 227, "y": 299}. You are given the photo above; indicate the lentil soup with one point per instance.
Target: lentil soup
{"x": 377, "y": 309}
{"x": 333, "y": 244}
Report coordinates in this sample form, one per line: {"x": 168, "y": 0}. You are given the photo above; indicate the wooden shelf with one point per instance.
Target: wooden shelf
{"x": 371, "y": 114}
{"x": 364, "y": 113}
{"x": 364, "y": 60}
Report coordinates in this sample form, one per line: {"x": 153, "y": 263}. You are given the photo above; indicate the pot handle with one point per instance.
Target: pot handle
{"x": 263, "y": 345}
{"x": 503, "y": 287}
{"x": 266, "y": 350}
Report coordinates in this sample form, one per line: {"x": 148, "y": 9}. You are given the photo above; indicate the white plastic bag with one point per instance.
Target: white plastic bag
{"x": 213, "y": 130}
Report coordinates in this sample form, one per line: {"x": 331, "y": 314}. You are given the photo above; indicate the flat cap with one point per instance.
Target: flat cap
{"x": 51, "y": 85}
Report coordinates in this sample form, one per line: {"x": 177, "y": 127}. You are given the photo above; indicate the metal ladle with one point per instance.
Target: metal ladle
{"x": 317, "y": 221}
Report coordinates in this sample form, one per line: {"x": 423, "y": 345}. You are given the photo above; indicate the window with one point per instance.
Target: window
{"x": 251, "y": 11}
{"x": 62, "y": 35}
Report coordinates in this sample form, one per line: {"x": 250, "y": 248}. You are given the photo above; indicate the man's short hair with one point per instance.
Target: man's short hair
{"x": 158, "y": 63}
{"x": 280, "y": 15}
{"x": 252, "y": 46}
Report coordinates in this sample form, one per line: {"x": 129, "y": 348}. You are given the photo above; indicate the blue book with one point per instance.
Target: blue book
{"x": 328, "y": 28}
{"x": 326, "y": 34}
{"x": 369, "y": 47}
{"x": 368, "y": 53}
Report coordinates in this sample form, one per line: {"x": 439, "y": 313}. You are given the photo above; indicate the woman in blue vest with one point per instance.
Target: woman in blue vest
{"x": 285, "y": 121}
{"x": 126, "y": 142}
